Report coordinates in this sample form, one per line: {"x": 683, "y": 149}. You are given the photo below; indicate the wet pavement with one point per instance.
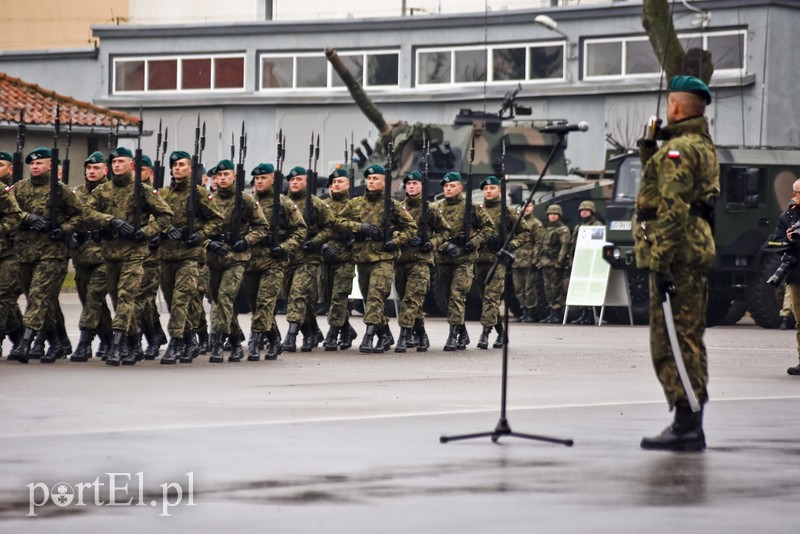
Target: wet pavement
{"x": 345, "y": 442}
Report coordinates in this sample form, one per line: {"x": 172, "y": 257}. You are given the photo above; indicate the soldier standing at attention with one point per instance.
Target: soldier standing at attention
{"x": 412, "y": 277}
{"x": 182, "y": 256}
{"x": 553, "y": 262}
{"x": 227, "y": 270}
{"x": 41, "y": 251}
{"x": 456, "y": 257}
{"x": 525, "y": 271}
{"x": 492, "y": 292}
{"x": 586, "y": 211}
{"x": 680, "y": 182}
{"x": 90, "y": 268}
{"x": 263, "y": 278}
{"x": 10, "y": 290}
{"x": 374, "y": 252}
{"x": 338, "y": 269}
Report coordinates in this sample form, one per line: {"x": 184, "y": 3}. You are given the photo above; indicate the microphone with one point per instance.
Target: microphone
{"x": 565, "y": 128}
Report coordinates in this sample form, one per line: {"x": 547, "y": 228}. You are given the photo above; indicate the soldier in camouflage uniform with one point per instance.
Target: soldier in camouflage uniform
{"x": 680, "y": 182}
{"x": 182, "y": 256}
{"x": 90, "y": 268}
{"x": 227, "y": 270}
{"x": 487, "y": 255}
{"x": 41, "y": 252}
{"x": 553, "y": 262}
{"x": 525, "y": 271}
{"x": 456, "y": 257}
{"x": 412, "y": 270}
{"x": 586, "y": 212}
{"x": 111, "y": 209}
{"x": 304, "y": 266}
{"x": 10, "y": 290}
{"x": 374, "y": 251}
{"x": 338, "y": 269}
{"x": 269, "y": 261}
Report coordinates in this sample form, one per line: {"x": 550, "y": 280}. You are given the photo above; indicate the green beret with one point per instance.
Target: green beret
{"x": 5, "y": 156}
{"x": 451, "y": 176}
{"x": 339, "y": 172}
{"x": 120, "y": 152}
{"x": 94, "y": 157}
{"x": 147, "y": 162}
{"x": 690, "y": 84}
{"x": 413, "y": 175}
{"x": 262, "y": 168}
{"x": 38, "y": 153}
{"x": 374, "y": 169}
{"x": 176, "y": 155}
{"x": 225, "y": 165}
{"x": 490, "y": 180}
{"x": 296, "y": 171}
{"x": 211, "y": 172}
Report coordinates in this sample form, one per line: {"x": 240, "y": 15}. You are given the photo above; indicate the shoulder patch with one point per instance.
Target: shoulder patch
{"x": 155, "y": 191}
{"x": 210, "y": 197}
{"x": 674, "y": 154}
{"x": 9, "y": 188}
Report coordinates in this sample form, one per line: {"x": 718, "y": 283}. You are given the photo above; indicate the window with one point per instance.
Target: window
{"x": 312, "y": 71}
{"x": 187, "y": 73}
{"x": 744, "y": 187}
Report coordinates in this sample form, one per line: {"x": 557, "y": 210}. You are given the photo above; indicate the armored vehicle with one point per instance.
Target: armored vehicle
{"x": 756, "y": 185}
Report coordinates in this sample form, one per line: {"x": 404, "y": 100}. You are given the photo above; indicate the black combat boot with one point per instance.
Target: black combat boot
{"x": 531, "y": 316}
{"x": 347, "y": 335}
{"x": 134, "y": 350}
{"x": 402, "y": 340}
{"x": 63, "y": 338}
{"x": 84, "y": 349}
{"x": 190, "y": 348}
{"x": 105, "y": 345}
{"x": 366, "y": 343}
{"x": 37, "y": 349}
{"x": 153, "y": 343}
{"x": 119, "y": 348}
{"x": 411, "y": 342}
{"x": 498, "y": 343}
{"x": 309, "y": 337}
{"x": 217, "y": 341}
{"x": 275, "y": 346}
{"x": 684, "y": 434}
{"x": 580, "y": 318}
{"x": 290, "y": 343}
{"x": 173, "y": 352}
{"x": 523, "y": 312}
{"x": 317, "y": 336}
{"x": 423, "y": 343}
{"x": 483, "y": 341}
{"x": 254, "y": 346}
{"x": 237, "y": 353}
{"x": 330, "y": 343}
{"x": 463, "y": 338}
{"x": 159, "y": 336}
{"x": 15, "y": 336}
{"x": 22, "y": 351}
{"x": 386, "y": 338}
{"x": 202, "y": 341}
{"x": 452, "y": 338}
{"x": 54, "y": 348}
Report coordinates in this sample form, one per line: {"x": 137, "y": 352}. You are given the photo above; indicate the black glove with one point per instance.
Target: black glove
{"x": 277, "y": 253}
{"x": 154, "y": 243}
{"x": 309, "y": 246}
{"x": 469, "y": 247}
{"x": 57, "y": 235}
{"x": 139, "y": 237}
{"x": 241, "y": 245}
{"x": 370, "y": 230}
{"x": 390, "y": 246}
{"x": 416, "y": 241}
{"x": 194, "y": 240}
{"x": 123, "y": 228}
{"x": 494, "y": 241}
{"x": 328, "y": 251}
{"x": 76, "y": 239}
{"x": 175, "y": 233}
{"x": 37, "y": 223}
{"x": 427, "y": 246}
{"x": 452, "y": 250}
{"x": 218, "y": 248}
{"x": 665, "y": 285}
{"x": 505, "y": 256}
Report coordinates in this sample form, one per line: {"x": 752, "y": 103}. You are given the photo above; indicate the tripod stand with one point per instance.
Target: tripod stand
{"x": 505, "y": 256}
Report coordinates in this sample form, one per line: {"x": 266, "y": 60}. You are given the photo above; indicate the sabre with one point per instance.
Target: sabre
{"x": 666, "y": 306}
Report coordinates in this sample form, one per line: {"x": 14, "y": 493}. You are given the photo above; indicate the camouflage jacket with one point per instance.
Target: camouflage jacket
{"x": 320, "y": 227}
{"x": 453, "y": 212}
{"x": 10, "y": 219}
{"x": 591, "y": 221}
{"x": 33, "y": 196}
{"x": 487, "y": 253}
{"x": 253, "y": 227}
{"x": 291, "y": 232}
{"x": 437, "y": 228}
{"x": 679, "y": 181}
{"x": 89, "y": 252}
{"x": 369, "y": 209}
{"x": 115, "y": 200}
{"x": 208, "y": 221}
{"x": 525, "y": 254}
{"x": 555, "y": 245}
{"x": 342, "y": 242}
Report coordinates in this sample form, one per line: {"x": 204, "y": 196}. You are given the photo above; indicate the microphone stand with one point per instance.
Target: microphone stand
{"x": 503, "y": 428}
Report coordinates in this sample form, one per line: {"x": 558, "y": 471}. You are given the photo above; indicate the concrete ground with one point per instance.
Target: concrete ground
{"x": 345, "y": 442}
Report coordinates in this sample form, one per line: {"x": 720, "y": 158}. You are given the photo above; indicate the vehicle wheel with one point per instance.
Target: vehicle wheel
{"x": 639, "y": 290}
{"x": 717, "y": 310}
{"x": 735, "y": 313}
{"x": 763, "y": 300}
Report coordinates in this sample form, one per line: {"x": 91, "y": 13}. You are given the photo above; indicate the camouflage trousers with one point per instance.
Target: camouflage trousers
{"x": 412, "y": 281}
{"x": 301, "y": 281}
{"x": 10, "y": 290}
{"x": 338, "y": 285}
{"x": 375, "y": 283}
{"x": 553, "y": 287}
{"x": 263, "y": 289}
{"x": 458, "y": 279}
{"x": 124, "y": 279}
{"x": 179, "y": 286}
{"x": 491, "y": 293}
{"x": 146, "y": 310}
{"x": 198, "y": 312}
{"x": 91, "y": 282}
{"x": 525, "y": 286}
{"x": 224, "y": 286}
{"x": 689, "y": 313}
{"x": 41, "y": 282}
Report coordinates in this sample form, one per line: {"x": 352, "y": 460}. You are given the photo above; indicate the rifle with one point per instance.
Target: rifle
{"x": 193, "y": 180}
{"x": 312, "y": 173}
{"x": 307, "y": 207}
{"x": 16, "y": 175}
{"x": 423, "y": 224}
{"x": 113, "y": 137}
{"x": 351, "y": 172}
{"x": 468, "y": 196}
{"x": 503, "y": 205}
{"x": 387, "y": 194}
{"x": 138, "y": 193}
{"x": 158, "y": 171}
{"x": 65, "y": 165}
{"x": 239, "y": 200}
{"x": 277, "y": 182}
{"x": 53, "y": 201}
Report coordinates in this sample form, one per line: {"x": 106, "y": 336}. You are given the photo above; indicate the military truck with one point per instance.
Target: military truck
{"x": 756, "y": 185}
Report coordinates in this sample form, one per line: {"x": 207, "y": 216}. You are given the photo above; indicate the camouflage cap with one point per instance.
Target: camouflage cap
{"x": 690, "y": 84}
{"x": 5, "y": 156}
{"x": 586, "y": 205}
{"x": 147, "y": 162}
{"x": 225, "y": 165}
{"x": 339, "y": 172}
{"x": 120, "y": 152}
{"x": 554, "y": 208}
{"x": 178, "y": 154}
{"x": 296, "y": 171}
{"x": 262, "y": 168}
{"x": 38, "y": 153}
{"x": 374, "y": 169}
{"x": 94, "y": 157}
{"x": 490, "y": 180}
{"x": 452, "y": 176}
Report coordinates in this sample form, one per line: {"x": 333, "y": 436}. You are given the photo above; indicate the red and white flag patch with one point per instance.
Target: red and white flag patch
{"x": 674, "y": 154}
